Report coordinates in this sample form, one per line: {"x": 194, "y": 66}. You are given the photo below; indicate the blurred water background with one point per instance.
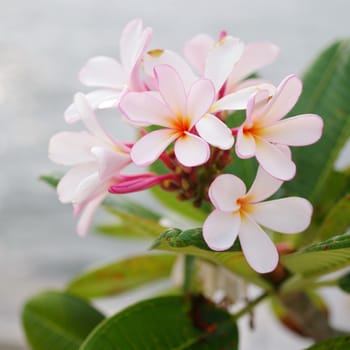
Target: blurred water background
{"x": 43, "y": 44}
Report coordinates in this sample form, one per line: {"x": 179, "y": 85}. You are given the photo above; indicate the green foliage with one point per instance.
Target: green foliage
{"x": 172, "y": 322}
{"x": 191, "y": 242}
{"x": 339, "y": 343}
{"x": 337, "y": 220}
{"x": 122, "y": 275}
{"x": 51, "y": 179}
{"x": 326, "y": 92}
{"x": 55, "y": 320}
{"x": 344, "y": 283}
{"x": 320, "y": 258}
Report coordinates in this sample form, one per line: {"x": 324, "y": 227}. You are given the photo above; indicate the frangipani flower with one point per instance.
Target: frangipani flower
{"x": 177, "y": 112}
{"x": 253, "y": 57}
{"x": 97, "y": 160}
{"x": 263, "y": 130}
{"x": 113, "y": 77}
{"x": 218, "y": 62}
{"x": 239, "y": 214}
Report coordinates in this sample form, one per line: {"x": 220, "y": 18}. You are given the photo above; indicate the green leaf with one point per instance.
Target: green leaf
{"x": 122, "y": 275}
{"x": 55, "y": 320}
{"x": 183, "y": 208}
{"x": 172, "y": 322}
{"x": 344, "y": 283}
{"x": 338, "y": 219}
{"x": 339, "y": 343}
{"x": 326, "y": 92}
{"x": 191, "y": 242}
{"x": 321, "y": 258}
{"x": 51, "y": 179}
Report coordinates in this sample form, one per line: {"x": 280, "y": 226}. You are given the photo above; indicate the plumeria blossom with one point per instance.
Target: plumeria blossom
{"x": 111, "y": 77}
{"x": 239, "y": 213}
{"x": 254, "y": 56}
{"x": 264, "y": 131}
{"x": 178, "y": 112}
{"x": 96, "y": 161}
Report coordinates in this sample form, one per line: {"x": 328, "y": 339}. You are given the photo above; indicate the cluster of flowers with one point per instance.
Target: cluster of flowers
{"x": 180, "y": 107}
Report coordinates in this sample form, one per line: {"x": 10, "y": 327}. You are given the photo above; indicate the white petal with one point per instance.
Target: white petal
{"x": 89, "y": 118}
{"x": 255, "y": 56}
{"x": 157, "y": 57}
{"x": 220, "y": 230}
{"x": 221, "y": 60}
{"x": 297, "y": 131}
{"x": 274, "y": 161}
{"x": 200, "y": 98}
{"x": 196, "y": 51}
{"x": 109, "y": 162}
{"x": 96, "y": 99}
{"x": 88, "y": 213}
{"x": 257, "y": 247}
{"x": 191, "y": 150}
{"x": 263, "y": 186}
{"x": 68, "y": 185}
{"x": 283, "y": 101}
{"x": 171, "y": 89}
{"x": 239, "y": 99}
{"x": 215, "y": 132}
{"x": 88, "y": 188}
{"x": 143, "y": 108}
{"x": 147, "y": 150}
{"x": 103, "y": 71}
{"x": 224, "y": 192}
{"x": 70, "y": 148}
{"x": 133, "y": 42}
{"x": 286, "y": 215}
{"x": 245, "y": 144}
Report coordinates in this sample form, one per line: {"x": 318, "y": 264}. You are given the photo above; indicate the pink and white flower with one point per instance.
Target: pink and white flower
{"x": 239, "y": 213}
{"x": 97, "y": 160}
{"x": 113, "y": 78}
{"x": 253, "y": 57}
{"x": 178, "y": 112}
{"x": 264, "y": 132}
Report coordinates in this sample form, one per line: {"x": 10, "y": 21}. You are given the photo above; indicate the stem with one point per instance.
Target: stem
{"x": 328, "y": 283}
{"x": 250, "y": 306}
{"x": 189, "y": 269}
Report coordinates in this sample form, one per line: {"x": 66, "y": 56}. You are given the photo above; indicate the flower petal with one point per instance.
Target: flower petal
{"x": 159, "y": 57}
{"x": 103, "y": 71}
{"x": 171, "y": 88}
{"x": 257, "y": 247}
{"x": 147, "y": 150}
{"x": 133, "y": 42}
{"x": 97, "y": 99}
{"x": 274, "y": 160}
{"x": 87, "y": 214}
{"x": 263, "y": 186}
{"x": 70, "y": 148}
{"x": 255, "y": 56}
{"x": 190, "y": 150}
{"x": 283, "y": 101}
{"x": 144, "y": 108}
{"x": 220, "y": 230}
{"x": 224, "y": 192}
{"x": 239, "y": 99}
{"x": 215, "y": 132}
{"x": 89, "y": 118}
{"x": 196, "y": 51}
{"x": 67, "y": 187}
{"x": 301, "y": 130}
{"x": 245, "y": 144}
{"x": 221, "y": 60}
{"x": 109, "y": 162}
{"x": 286, "y": 215}
{"x": 200, "y": 98}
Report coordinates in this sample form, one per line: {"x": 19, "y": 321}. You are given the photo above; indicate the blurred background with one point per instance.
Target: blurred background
{"x": 43, "y": 44}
